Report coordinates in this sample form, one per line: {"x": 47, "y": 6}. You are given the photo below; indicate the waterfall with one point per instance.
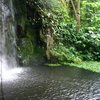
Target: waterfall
{"x": 7, "y": 35}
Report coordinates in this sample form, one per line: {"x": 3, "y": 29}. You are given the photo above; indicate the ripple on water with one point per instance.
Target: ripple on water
{"x": 53, "y": 83}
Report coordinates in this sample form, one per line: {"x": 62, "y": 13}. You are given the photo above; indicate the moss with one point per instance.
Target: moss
{"x": 23, "y": 22}
{"x": 53, "y": 65}
{"x": 25, "y": 49}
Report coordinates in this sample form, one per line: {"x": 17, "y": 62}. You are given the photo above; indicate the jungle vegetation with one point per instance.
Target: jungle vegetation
{"x": 59, "y": 31}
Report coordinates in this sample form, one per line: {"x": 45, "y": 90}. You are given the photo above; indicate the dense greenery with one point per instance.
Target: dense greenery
{"x": 87, "y": 41}
{"x": 59, "y": 32}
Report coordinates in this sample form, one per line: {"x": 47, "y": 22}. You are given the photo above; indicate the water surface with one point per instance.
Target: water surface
{"x": 51, "y": 83}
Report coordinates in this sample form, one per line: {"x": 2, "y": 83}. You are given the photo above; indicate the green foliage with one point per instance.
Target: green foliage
{"x": 54, "y": 11}
{"x": 58, "y": 14}
{"x": 88, "y": 40}
{"x": 88, "y": 45}
{"x": 90, "y": 15}
{"x": 60, "y": 53}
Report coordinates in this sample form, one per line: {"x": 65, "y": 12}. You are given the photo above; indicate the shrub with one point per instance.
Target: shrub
{"x": 60, "y": 53}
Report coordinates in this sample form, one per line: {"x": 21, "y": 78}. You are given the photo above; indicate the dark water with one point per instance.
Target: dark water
{"x": 50, "y": 83}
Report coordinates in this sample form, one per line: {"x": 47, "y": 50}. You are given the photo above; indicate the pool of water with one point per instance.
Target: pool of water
{"x": 50, "y": 83}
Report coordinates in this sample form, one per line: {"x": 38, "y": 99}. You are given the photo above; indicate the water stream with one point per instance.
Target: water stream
{"x": 7, "y": 40}
{"x": 7, "y": 34}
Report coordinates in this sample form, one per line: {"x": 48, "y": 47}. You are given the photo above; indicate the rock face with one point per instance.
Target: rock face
{"x": 30, "y": 48}
{"x": 7, "y": 34}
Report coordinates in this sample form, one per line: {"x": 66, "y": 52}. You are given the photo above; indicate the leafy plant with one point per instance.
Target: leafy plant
{"x": 62, "y": 54}
{"x": 72, "y": 46}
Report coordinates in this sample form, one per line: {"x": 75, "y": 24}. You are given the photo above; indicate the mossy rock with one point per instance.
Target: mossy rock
{"x": 26, "y": 46}
{"x": 25, "y": 50}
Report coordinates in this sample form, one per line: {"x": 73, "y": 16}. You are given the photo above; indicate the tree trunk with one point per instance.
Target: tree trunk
{"x": 74, "y": 9}
{"x": 78, "y": 16}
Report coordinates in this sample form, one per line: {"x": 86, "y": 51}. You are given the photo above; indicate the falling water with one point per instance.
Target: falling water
{"x": 7, "y": 35}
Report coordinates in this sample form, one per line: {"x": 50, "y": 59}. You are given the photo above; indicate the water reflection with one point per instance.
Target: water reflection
{"x": 51, "y": 83}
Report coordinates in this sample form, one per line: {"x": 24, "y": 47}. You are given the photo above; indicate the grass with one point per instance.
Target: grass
{"x": 88, "y": 65}
{"x": 48, "y": 64}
